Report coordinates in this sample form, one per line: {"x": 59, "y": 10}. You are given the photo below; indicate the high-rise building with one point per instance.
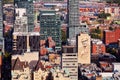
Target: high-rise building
{"x": 1, "y": 20}
{"x": 8, "y": 20}
{"x": 74, "y": 26}
{"x": 25, "y": 42}
{"x": 1, "y": 26}
{"x": 70, "y": 61}
{"x": 84, "y": 47}
{"x": 0, "y": 64}
{"x": 20, "y": 20}
{"x": 28, "y": 5}
{"x": 50, "y": 26}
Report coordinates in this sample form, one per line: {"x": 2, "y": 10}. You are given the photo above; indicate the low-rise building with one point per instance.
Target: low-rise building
{"x": 111, "y": 37}
{"x": 98, "y": 46}
{"x": 116, "y": 66}
{"x": 20, "y": 70}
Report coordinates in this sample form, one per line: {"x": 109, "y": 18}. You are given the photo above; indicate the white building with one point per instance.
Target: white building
{"x": 21, "y": 23}
{"x": 114, "y": 11}
{"x": 70, "y": 62}
{"x": 116, "y": 66}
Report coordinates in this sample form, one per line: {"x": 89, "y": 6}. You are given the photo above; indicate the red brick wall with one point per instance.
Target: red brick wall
{"x": 117, "y": 34}
{"x": 101, "y": 48}
{"x": 111, "y": 36}
{"x": 94, "y": 47}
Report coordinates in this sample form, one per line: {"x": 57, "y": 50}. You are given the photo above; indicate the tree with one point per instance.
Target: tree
{"x": 114, "y": 1}
{"x": 104, "y": 15}
{"x": 50, "y": 76}
{"x": 8, "y": 1}
{"x": 110, "y": 28}
{"x": 63, "y": 35}
{"x": 96, "y": 33}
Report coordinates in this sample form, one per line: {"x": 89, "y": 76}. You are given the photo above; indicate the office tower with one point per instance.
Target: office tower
{"x": 8, "y": 20}
{"x": 1, "y": 37}
{"x": 20, "y": 20}
{"x": 1, "y": 20}
{"x": 1, "y": 27}
{"x": 28, "y": 5}
{"x": 74, "y": 26}
{"x": 84, "y": 47}
{"x": 70, "y": 61}
{"x": 0, "y": 64}
{"x": 25, "y": 42}
{"x": 50, "y": 26}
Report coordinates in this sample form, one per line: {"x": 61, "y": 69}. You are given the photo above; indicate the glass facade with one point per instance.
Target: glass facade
{"x": 73, "y": 19}
{"x": 50, "y": 26}
{"x": 1, "y": 20}
{"x": 28, "y": 4}
{"x": 1, "y": 26}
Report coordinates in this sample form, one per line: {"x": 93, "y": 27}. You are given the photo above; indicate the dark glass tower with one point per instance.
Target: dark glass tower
{"x": 1, "y": 20}
{"x": 50, "y": 26}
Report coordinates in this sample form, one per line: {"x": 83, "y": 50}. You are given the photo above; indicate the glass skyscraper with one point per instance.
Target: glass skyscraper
{"x": 73, "y": 19}
{"x": 1, "y": 27}
{"x": 50, "y": 26}
{"x": 1, "y": 20}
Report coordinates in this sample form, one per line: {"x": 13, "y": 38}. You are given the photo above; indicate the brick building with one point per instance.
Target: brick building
{"x": 98, "y": 47}
{"x": 111, "y": 36}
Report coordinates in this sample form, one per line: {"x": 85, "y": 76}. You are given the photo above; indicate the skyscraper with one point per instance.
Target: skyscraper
{"x": 50, "y": 26}
{"x": 20, "y": 24}
{"x": 1, "y": 36}
{"x": 25, "y": 42}
{"x": 74, "y": 26}
{"x": 1, "y": 20}
{"x": 1, "y": 26}
{"x": 28, "y": 5}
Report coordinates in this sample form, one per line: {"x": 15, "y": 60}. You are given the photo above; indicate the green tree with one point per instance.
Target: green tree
{"x": 104, "y": 15}
{"x": 8, "y": 1}
{"x": 63, "y": 35}
{"x": 111, "y": 28}
{"x": 113, "y": 1}
{"x": 96, "y": 33}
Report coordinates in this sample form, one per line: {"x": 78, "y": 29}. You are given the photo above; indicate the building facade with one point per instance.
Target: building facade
{"x": 1, "y": 27}
{"x": 20, "y": 20}
{"x": 70, "y": 61}
{"x": 28, "y": 4}
{"x": 1, "y": 20}
{"x": 74, "y": 27}
{"x": 25, "y": 42}
{"x": 22, "y": 66}
{"x": 97, "y": 47}
{"x": 50, "y": 26}
{"x": 84, "y": 49}
{"x": 111, "y": 37}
